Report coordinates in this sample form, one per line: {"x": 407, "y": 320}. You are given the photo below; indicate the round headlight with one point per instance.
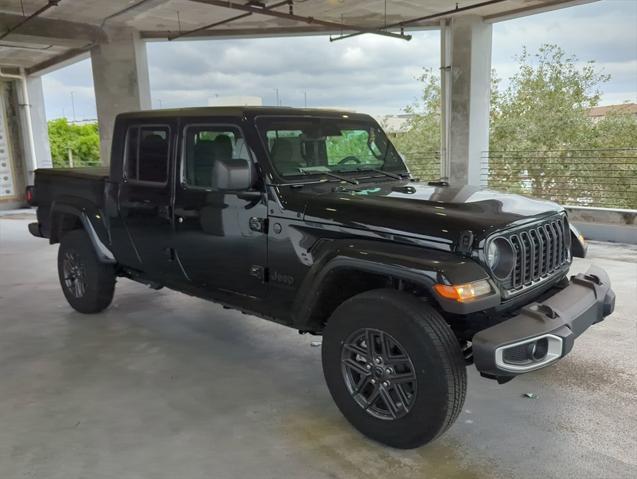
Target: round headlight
{"x": 500, "y": 257}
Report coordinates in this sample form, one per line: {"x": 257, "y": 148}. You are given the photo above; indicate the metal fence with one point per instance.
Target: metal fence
{"x": 423, "y": 164}
{"x": 604, "y": 178}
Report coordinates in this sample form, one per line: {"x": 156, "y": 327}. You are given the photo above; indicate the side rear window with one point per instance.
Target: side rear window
{"x": 147, "y": 153}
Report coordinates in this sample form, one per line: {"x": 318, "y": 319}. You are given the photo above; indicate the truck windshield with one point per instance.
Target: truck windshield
{"x": 304, "y": 146}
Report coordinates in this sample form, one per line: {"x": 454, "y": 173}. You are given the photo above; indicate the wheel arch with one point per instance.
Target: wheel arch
{"x": 70, "y": 213}
{"x": 345, "y": 268}
{"x": 328, "y": 291}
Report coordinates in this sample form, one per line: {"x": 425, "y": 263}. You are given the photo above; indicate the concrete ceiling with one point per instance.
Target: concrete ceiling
{"x": 70, "y": 28}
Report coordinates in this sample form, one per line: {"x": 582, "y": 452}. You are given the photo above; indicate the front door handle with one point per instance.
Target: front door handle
{"x": 163, "y": 211}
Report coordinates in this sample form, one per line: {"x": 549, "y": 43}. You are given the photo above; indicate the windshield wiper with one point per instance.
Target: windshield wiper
{"x": 339, "y": 177}
{"x": 326, "y": 172}
{"x": 396, "y": 176}
{"x": 299, "y": 184}
{"x": 386, "y": 173}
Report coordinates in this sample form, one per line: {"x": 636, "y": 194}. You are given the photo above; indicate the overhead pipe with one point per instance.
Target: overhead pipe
{"x": 122, "y": 11}
{"x": 210, "y": 25}
{"x": 433, "y": 16}
{"x": 226, "y": 21}
{"x": 27, "y": 104}
{"x": 252, "y": 8}
{"x": 51, "y": 3}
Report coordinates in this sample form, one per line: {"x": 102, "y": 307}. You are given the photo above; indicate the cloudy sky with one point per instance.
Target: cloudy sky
{"x": 367, "y": 73}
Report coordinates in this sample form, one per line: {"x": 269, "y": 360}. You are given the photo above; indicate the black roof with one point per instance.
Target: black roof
{"x": 241, "y": 111}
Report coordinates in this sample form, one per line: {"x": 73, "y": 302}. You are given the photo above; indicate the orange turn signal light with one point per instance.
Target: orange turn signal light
{"x": 463, "y": 292}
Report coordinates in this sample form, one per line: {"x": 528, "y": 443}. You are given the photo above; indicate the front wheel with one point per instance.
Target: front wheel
{"x": 87, "y": 283}
{"x": 394, "y": 368}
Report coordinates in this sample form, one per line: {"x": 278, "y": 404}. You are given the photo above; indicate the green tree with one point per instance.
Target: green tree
{"x": 542, "y": 140}
{"x": 618, "y": 129}
{"x": 544, "y": 143}
{"x": 420, "y": 142}
{"x": 82, "y": 140}
{"x": 545, "y": 103}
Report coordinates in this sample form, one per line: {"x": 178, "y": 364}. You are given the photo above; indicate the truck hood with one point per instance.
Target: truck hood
{"x": 437, "y": 213}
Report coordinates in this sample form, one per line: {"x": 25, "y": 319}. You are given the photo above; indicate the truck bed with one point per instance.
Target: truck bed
{"x": 87, "y": 183}
{"x": 75, "y": 186}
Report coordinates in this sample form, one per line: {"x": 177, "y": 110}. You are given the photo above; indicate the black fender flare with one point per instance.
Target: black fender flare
{"x": 92, "y": 220}
{"x": 421, "y": 266}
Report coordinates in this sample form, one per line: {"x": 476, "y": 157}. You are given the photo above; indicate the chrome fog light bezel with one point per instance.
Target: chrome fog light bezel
{"x": 554, "y": 352}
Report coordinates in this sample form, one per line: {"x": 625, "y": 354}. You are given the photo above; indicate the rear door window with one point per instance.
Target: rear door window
{"x": 147, "y": 154}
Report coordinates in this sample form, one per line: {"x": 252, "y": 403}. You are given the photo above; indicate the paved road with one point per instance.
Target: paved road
{"x": 163, "y": 385}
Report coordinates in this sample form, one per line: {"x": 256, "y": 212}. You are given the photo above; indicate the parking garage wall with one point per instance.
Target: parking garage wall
{"x": 12, "y": 161}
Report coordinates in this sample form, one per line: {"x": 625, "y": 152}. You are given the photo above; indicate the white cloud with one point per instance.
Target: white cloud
{"x": 367, "y": 73}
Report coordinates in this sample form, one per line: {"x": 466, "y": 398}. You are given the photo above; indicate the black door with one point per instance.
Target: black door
{"x": 145, "y": 196}
{"x": 220, "y": 237}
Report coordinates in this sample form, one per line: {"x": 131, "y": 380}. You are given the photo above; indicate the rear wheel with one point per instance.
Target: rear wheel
{"x": 394, "y": 368}
{"x": 87, "y": 283}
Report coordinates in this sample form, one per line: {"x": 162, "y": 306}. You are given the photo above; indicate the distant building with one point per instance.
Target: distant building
{"x": 394, "y": 124}
{"x": 235, "y": 101}
{"x": 598, "y": 113}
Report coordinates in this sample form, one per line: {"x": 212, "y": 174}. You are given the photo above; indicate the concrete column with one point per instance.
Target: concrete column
{"x": 33, "y": 130}
{"x": 469, "y": 98}
{"x": 120, "y": 78}
{"x": 38, "y": 122}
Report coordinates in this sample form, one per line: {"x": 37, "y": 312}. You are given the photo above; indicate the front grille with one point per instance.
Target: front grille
{"x": 541, "y": 251}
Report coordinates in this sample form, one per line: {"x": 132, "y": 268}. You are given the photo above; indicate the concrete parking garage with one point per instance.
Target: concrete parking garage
{"x": 163, "y": 385}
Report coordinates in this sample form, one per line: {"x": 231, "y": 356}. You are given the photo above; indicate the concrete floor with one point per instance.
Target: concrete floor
{"x": 162, "y": 385}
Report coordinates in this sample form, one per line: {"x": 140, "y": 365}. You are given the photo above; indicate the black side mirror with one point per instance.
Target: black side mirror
{"x": 232, "y": 175}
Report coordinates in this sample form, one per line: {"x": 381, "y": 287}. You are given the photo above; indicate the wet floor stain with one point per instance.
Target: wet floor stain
{"x": 337, "y": 450}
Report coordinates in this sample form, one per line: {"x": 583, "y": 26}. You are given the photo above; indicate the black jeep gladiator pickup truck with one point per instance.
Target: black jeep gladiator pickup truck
{"x": 310, "y": 218}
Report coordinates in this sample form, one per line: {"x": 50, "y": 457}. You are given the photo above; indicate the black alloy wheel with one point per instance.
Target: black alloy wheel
{"x": 379, "y": 374}
{"x": 394, "y": 367}
{"x": 74, "y": 274}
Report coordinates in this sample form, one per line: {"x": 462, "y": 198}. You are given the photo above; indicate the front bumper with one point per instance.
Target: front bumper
{"x": 542, "y": 333}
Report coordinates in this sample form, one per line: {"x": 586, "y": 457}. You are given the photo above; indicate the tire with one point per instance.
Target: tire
{"x": 425, "y": 406}
{"x": 87, "y": 283}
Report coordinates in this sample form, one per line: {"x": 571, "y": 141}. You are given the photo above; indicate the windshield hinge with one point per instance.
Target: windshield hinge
{"x": 465, "y": 242}
{"x": 258, "y": 224}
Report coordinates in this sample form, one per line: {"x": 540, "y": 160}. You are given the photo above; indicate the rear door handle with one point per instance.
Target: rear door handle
{"x": 141, "y": 205}
{"x": 181, "y": 213}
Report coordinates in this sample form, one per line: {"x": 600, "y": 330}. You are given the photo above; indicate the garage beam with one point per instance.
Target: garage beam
{"x": 27, "y": 18}
{"x": 52, "y": 32}
{"x": 535, "y": 9}
{"x": 60, "y": 61}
